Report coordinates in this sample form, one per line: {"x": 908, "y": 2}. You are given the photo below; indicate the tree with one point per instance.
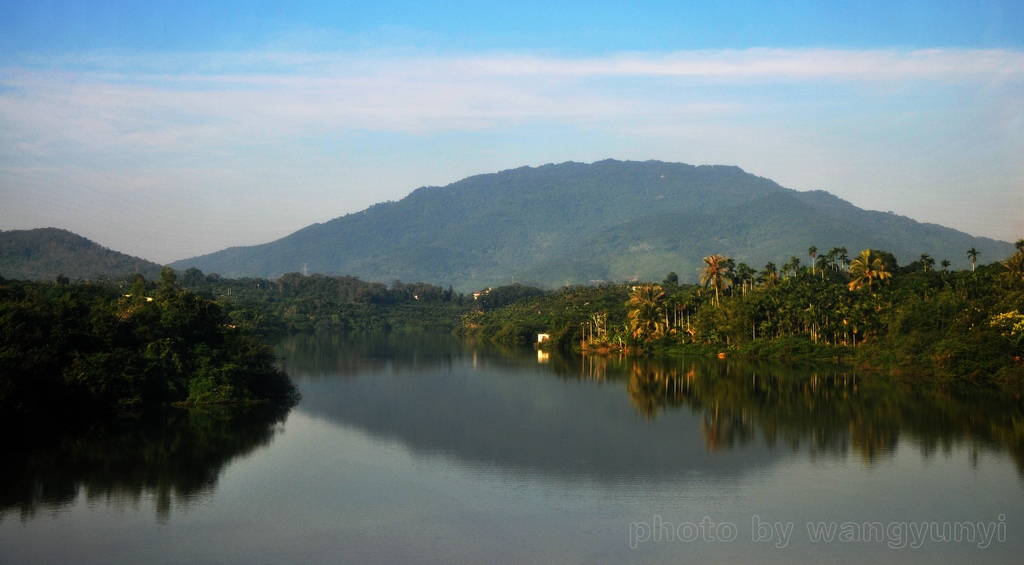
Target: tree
{"x": 718, "y": 273}
{"x": 672, "y": 279}
{"x": 927, "y": 263}
{"x": 972, "y": 254}
{"x": 831, "y": 257}
{"x": 867, "y": 268}
{"x": 822, "y": 264}
{"x": 168, "y": 285}
{"x": 745, "y": 274}
{"x": 841, "y": 254}
{"x": 769, "y": 274}
{"x": 1019, "y": 244}
{"x": 813, "y": 252}
{"x": 645, "y": 309}
{"x": 1015, "y": 267}
{"x": 792, "y": 265}
{"x": 945, "y": 264}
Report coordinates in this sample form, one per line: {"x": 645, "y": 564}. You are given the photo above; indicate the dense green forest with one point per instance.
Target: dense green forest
{"x": 298, "y": 303}
{"x": 75, "y": 349}
{"x": 915, "y": 320}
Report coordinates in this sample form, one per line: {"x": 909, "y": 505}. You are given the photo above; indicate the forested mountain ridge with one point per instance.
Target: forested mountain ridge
{"x": 575, "y": 222}
{"x": 45, "y": 253}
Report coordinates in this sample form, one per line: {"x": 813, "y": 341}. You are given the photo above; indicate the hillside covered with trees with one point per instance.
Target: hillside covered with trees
{"x": 46, "y": 253}
{"x": 576, "y": 223}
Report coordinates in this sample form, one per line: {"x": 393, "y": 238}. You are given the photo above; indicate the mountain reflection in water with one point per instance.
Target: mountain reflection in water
{"x": 603, "y": 419}
{"x": 501, "y": 407}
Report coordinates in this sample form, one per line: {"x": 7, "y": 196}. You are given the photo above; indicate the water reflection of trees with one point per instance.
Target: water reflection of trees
{"x": 825, "y": 411}
{"x": 316, "y": 355}
{"x": 174, "y": 457}
{"x": 822, "y": 411}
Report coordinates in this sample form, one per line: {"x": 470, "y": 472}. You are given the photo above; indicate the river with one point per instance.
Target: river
{"x": 423, "y": 448}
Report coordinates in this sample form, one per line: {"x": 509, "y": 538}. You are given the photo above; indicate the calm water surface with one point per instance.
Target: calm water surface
{"x": 416, "y": 448}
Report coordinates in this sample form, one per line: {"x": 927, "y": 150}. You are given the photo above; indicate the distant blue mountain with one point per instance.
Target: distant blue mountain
{"x": 577, "y": 223}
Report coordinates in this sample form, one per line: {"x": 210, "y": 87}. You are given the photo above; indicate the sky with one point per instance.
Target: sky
{"x": 172, "y": 129}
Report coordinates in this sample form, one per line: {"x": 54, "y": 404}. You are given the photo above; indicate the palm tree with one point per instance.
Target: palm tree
{"x": 867, "y": 268}
{"x": 1019, "y": 244}
{"x": 945, "y": 264}
{"x": 813, "y": 252}
{"x": 769, "y": 274}
{"x": 1015, "y": 267}
{"x": 792, "y": 265}
{"x": 822, "y": 264}
{"x": 745, "y": 274}
{"x": 645, "y": 304}
{"x": 718, "y": 273}
{"x": 843, "y": 257}
{"x": 972, "y": 254}
{"x": 831, "y": 256}
{"x": 927, "y": 262}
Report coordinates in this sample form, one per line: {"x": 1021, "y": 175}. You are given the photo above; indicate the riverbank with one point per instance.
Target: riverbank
{"x": 73, "y": 351}
{"x": 920, "y": 324}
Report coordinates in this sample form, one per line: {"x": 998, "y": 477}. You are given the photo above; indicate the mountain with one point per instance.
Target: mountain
{"x": 575, "y": 222}
{"x": 42, "y": 254}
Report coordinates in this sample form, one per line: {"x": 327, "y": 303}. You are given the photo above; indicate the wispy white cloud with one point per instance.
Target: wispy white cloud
{"x": 103, "y": 100}
{"x": 811, "y": 118}
{"x": 761, "y": 63}
{"x": 773, "y": 64}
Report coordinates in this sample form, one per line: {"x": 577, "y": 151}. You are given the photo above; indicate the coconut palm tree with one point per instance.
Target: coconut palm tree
{"x": 1015, "y": 267}
{"x": 927, "y": 262}
{"x": 792, "y": 265}
{"x": 745, "y": 274}
{"x": 822, "y": 264}
{"x": 831, "y": 256}
{"x": 1019, "y": 244}
{"x": 645, "y": 303}
{"x": 867, "y": 268}
{"x": 945, "y": 264}
{"x": 769, "y": 274}
{"x": 718, "y": 273}
{"x": 813, "y": 252}
{"x": 972, "y": 254}
{"x": 842, "y": 256}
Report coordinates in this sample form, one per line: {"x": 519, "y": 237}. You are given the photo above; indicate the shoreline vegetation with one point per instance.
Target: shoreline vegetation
{"x": 190, "y": 339}
{"x": 73, "y": 351}
{"x": 915, "y": 322}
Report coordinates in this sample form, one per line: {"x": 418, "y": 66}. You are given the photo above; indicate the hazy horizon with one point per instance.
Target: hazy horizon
{"x": 170, "y": 131}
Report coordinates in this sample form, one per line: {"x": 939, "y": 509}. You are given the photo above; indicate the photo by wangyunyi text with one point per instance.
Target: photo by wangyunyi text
{"x": 912, "y": 534}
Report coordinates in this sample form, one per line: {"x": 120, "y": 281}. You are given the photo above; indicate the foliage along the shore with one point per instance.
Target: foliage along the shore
{"x": 867, "y": 310}
{"x": 74, "y": 348}
{"x": 300, "y": 303}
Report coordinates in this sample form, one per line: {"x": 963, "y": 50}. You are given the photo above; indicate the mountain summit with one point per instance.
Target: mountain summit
{"x": 45, "y": 253}
{"x": 578, "y": 223}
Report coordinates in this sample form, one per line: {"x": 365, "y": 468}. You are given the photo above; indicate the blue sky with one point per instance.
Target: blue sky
{"x": 167, "y": 130}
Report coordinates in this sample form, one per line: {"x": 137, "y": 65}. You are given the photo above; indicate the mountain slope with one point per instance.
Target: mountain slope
{"x": 575, "y": 222}
{"x": 42, "y": 254}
